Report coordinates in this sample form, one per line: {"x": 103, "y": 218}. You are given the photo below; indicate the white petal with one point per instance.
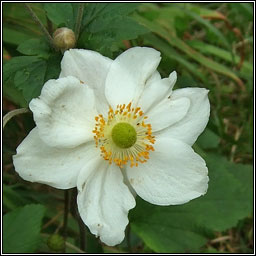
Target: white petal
{"x": 128, "y": 74}
{"x": 59, "y": 168}
{"x": 64, "y": 112}
{"x": 104, "y": 201}
{"x": 155, "y": 77}
{"x": 89, "y": 67}
{"x": 167, "y": 113}
{"x": 174, "y": 174}
{"x": 155, "y": 91}
{"x": 196, "y": 119}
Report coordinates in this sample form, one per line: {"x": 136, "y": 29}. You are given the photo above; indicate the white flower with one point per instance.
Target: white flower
{"x": 116, "y": 129}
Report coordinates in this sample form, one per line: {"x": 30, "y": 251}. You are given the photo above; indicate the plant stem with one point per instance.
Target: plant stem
{"x": 75, "y": 213}
{"x": 13, "y": 113}
{"x": 41, "y": 25}
{"x": 71, "y": 246}
{"x": 79, "y": 19}
{"x": 82, "y": 234}
{"x": 128, "y": 238}
{"x": 66, "y": 211}
{"x": 49, "y": 26}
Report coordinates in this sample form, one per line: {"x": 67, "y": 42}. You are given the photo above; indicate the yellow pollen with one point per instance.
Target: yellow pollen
{"x": 121, "y": 152}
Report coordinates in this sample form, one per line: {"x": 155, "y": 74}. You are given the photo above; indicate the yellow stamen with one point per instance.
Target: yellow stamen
{"x": 138, "y": 152}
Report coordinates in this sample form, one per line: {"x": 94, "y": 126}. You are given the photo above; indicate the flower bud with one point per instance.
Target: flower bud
{"x": 56, "y": 243}
{"x": 64, "y": 38}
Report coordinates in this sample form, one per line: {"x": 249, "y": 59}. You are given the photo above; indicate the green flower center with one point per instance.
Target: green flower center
{"x": 124, "y": 135}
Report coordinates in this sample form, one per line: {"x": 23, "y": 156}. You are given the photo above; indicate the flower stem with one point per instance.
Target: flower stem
{"x": 82, "y": 234}
{"x": 128, "y": 238}
{"x": 41, "y": 25}
{"x": 66, "y": 211}
{"x": 79, "y": 19}
{"x": 75, "y": 213}
{"x": 49, "y": 26}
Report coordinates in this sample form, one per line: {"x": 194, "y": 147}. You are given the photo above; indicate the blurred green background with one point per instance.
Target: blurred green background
{"x": 210, "y": 45}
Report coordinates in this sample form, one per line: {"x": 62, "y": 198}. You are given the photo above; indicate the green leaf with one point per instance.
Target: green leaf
{"x": 15, "y": 64}
{"x": 21, "y": 229}
{"x": 53, "y": 67}
{"x": 208, "y": 139}
{"x": 27, "y": 73}
{"x": 98, "y": 12}
{"x": 34, "y": 47}
{"x": 30, "y": 79}
{"x": 107, "y": 24}
{"x": 11, "y": 198}
{"x": 11, "y": 93}
{"x": 184, "y": 228}
{"x": 121, "y": 28}
{"x": 15, "y": 36}
{"x": 60, "y": 14}
{"x": 18, "y": 24}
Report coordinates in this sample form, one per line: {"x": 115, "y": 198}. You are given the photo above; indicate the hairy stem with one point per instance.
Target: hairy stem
{"x": 49, "y": 26}
{"x": 79, "y": 20}
{"x": 41, "y": 25}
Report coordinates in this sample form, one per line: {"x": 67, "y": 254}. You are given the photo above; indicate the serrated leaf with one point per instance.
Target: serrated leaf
{"x": 107, "y": 24}
{"x": 21, "y": 229}
{"x": 98, "y": 11}
{"x": 34, "y": 46}
{"x": 183, "y": 228}
{"x": 30, "y": 79}
{"x": 15, "y": 64}
{"x": 119, "y": 29}
{"x": 60, "y": 13}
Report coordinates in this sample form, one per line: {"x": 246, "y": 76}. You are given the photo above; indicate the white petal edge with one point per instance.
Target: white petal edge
{"x": 37, "y": 162}
{"x": 155, "y": 91}
{"x": 174, "y": 174}
{"x": 194, "y": 122}
{"x": 128, "y": 75}
{"x": 91, "y": 68}
{"x": 104, "y": 201}
{"x": 64, "y": 112}
{"x": 167, "y": 112}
